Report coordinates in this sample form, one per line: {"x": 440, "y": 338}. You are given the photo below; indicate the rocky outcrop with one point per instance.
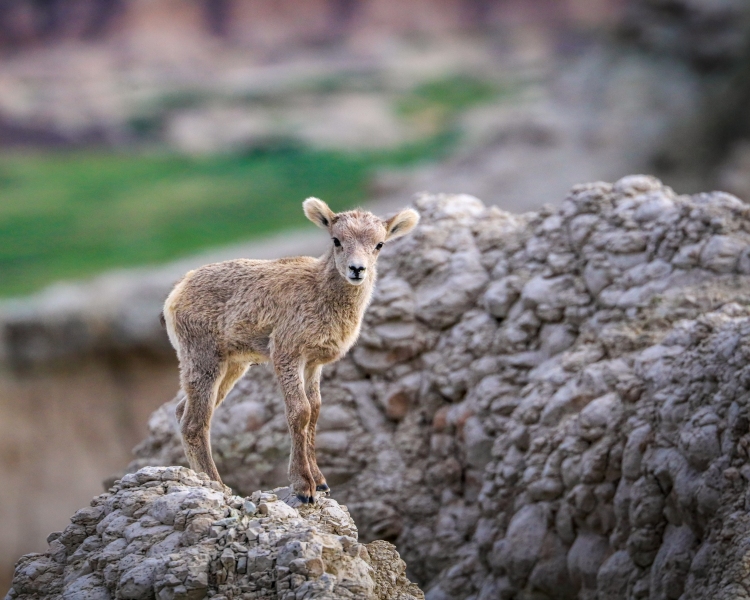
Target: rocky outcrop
{"x": 709, "y": 34}
{"x": 166, "y": 533}
{"x": 550, "y": 405}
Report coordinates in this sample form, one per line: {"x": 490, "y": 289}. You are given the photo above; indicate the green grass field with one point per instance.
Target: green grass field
{"x": 68, "y": 215}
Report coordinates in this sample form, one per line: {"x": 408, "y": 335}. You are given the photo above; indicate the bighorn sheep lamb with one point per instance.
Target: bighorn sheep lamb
{"x": 298, "y": 313}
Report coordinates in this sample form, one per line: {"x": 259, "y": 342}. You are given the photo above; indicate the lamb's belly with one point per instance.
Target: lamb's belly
{"x": 254, "y": 358}
{"x": 253, "y": 349}
{"x": 327, "y": 354}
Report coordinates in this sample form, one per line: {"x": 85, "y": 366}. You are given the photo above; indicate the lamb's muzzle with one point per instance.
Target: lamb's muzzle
{"x": 356, "y": 274}
{"x": 226, "y": 316}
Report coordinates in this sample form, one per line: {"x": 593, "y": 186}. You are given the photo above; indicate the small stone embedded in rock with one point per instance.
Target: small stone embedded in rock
{"x": 277, "y": 510}
{"x": 397, "y": 405}
{"x": 721, "y": 253}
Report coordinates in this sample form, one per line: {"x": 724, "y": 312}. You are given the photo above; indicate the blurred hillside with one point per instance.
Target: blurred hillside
{"x": 218, "y": 74}
{"x": 150, "y": 130}
{"x": 195, "y": 124}
{"x": 137, "y": 132}
{"x": 134, "y": 132}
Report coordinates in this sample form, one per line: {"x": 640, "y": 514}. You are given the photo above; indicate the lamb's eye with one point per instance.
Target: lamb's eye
{"x": 379, "y": 246}
{"x": 336, "y": 242}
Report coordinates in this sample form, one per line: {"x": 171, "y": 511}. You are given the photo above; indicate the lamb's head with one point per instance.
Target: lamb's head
{"x": 357, "y": 236}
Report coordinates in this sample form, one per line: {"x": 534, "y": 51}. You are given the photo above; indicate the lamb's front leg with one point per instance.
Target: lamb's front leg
{"x": 290, "y": 376}
{"x": 312, "y": 389}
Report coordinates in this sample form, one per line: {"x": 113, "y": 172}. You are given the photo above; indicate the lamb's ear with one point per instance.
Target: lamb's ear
{"x": 318, "y": 212}
{"x": 401, "y": 224}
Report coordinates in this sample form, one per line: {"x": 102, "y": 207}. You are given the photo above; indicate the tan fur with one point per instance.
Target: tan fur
{"x": 298, "y": 313}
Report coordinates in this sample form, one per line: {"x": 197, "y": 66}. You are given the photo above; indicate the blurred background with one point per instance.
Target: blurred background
{"x": 139, "y": 138}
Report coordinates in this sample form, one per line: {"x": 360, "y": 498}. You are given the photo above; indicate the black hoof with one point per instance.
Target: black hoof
{"x": 323, "y": 487}
{"x": 306, "y": 499}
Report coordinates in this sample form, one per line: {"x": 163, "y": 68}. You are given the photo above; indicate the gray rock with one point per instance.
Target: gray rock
{"x": 139, "y": 581}
{"x": 721, "y": 252}
{"x": 543, "y": 290}
{"x": 634, "y": 449}
{"x": 478, "y": 443}
{"x": 597, "y": 276}
{"x": 599, "y": 415}
{"x": 672, "y": 563}
{"x": 88, "y": 587}
{"x": 615, "y": 574}
{"x": 517, "y": 553}
{"x": 501, "y": 295}
{"x": 586, "y": 555}
{"x": 294, "y": 549}
{"x": 558, "y": 423}
{"x": 632, "y": 185}
{"x": 451, "y": 289}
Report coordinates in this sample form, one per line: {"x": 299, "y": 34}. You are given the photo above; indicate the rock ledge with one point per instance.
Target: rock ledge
{"x": 168, "y": 533}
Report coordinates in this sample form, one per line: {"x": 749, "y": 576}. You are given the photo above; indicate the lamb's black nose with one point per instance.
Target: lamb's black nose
{"x": 356, "y": 271}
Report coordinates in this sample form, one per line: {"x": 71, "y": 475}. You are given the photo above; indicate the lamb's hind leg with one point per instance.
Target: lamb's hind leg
{"x": 312, "y": 390}
{"x": 290, "y": 376}
{"x": 200, "y": 381}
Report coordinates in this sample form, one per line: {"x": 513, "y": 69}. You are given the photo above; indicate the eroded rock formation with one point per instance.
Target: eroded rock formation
{"x": 551, "y": 404}
{"x": 169, "y": 534}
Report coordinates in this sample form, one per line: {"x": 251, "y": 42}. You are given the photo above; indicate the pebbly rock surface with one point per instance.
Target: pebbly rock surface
{"x": 170, "y": 534}
{"x": 547, "y": 405}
